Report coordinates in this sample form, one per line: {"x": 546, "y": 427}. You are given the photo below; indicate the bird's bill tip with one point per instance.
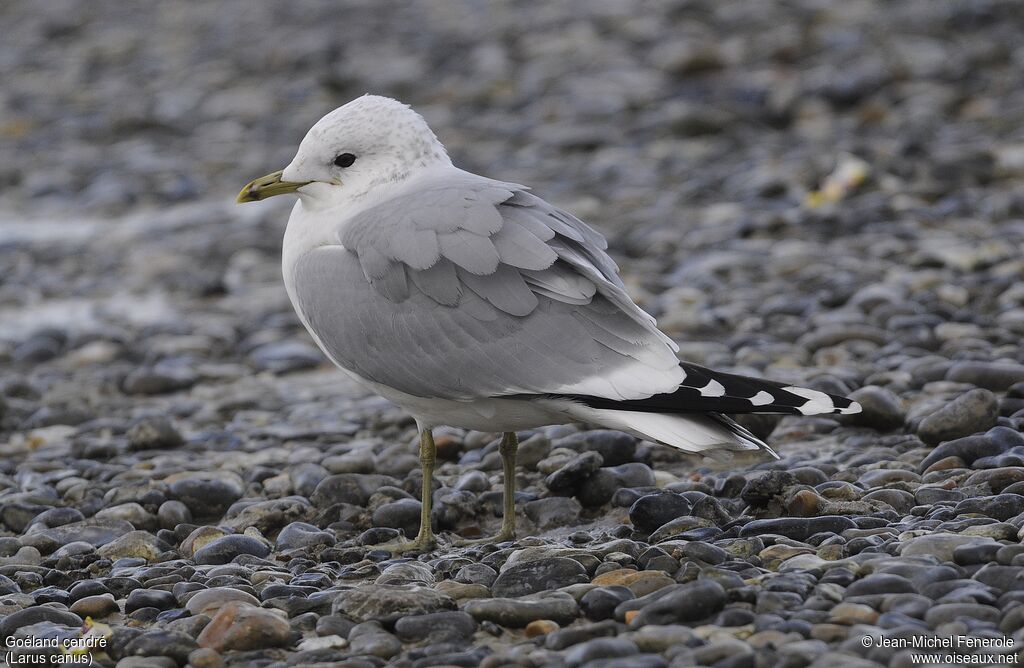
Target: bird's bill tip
{"x": 267, "y": 186}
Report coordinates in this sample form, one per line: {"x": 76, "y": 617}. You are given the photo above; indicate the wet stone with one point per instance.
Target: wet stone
{"x": 517, "y": 613}
{"x": 224, "y": 550}
{"x": 798, "y": 528}
{"x": 555, "y": 511}
{"x": 600, "y": 603}
{"x": 437, "y": 627}
{"x": 538, "y": 575}
{"x": 654, "y": 510}
{"x": 387, "y": 603}
{"x": 969, "y": 413}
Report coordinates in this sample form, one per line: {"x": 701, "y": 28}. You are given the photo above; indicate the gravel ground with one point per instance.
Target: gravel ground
{"x": 824, "y": 193}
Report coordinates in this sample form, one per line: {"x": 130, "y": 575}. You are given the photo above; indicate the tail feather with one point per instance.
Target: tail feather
{"x": 707, "y": 391}
{"x": 691, "y": 418}
{"x": 689, "y": 433}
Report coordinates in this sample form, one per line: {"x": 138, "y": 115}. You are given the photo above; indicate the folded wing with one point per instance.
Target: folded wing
{"x": 467, "y": 287}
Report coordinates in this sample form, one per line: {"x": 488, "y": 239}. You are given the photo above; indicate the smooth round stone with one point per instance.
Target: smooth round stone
{"x": 599, "y": 488}
{"x": 1000, "y": 507}
{"x": 473, "y": 481}
{"x": 939, "y": 545}
{"x": 928, "y": 496}
{"x": 995, "y": 376}
{"x": 567, "y": 479}
{"x": 56, "y": 517}
{"x": 303, "y": 535}
{"x": 798, "y": 528}
{"x": 49, "y": 595}
{"x": 615, "y": 447}
{"x": 880, "y": 583}
{"x": 968, "y": 414}
{"x": 152, "y": 433}
{"x": 97, "y": 606}
{"x": 706, "y": 552}
{"x": 242, "y": 627}
{"x": 88, "y": 588}
{"x": 901, "y": 501}
{"x": 224, "y": 550}
{"x": 650, "y": 512}
{"x": 553, "y": 512}
{"x": 334, "y": 625}
{"x": 557, "y": 607}
{"x": 949, "y": 612}
{"x": 207, "y": 601}
{"x": 205, "y": 495}
{"x": 538, "y": 575}
{"x": 133, "y": 545}
{"x": 540, "y": 627}
{"x": 600, "y": 648}
{"x": 691, "y": 602}
{"x": 149, "y": 598}
{"x": 880, "y": 408}
{"x": 476, "y": 573}
{"x": 403, "y": 514}
{"x": 35, "y": 615}
{"x": 386, "y": 603}
{"x": 160, "y": 642}
{"x": 437, "y": 627}
{"x": 172, "y": 513}
{"x": 600, "y": 603}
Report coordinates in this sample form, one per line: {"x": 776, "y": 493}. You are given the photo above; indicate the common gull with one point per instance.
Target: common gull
{"x": 473, "y": 303}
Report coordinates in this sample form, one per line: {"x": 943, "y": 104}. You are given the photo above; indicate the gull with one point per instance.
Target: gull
{"x": 473, "y": 303}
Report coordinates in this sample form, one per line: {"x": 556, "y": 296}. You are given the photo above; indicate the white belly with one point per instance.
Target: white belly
{"x": 491, "y": 414}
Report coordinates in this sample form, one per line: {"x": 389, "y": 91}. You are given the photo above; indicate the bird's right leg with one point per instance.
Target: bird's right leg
{"x": 425, "y": 538}
{"x": 508, "y": 448}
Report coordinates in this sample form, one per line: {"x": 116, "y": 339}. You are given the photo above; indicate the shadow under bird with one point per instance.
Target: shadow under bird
{"x": 473, "y": 303}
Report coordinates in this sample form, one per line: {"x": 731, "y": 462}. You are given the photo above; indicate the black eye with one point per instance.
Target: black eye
{"x": 345, "y": 160}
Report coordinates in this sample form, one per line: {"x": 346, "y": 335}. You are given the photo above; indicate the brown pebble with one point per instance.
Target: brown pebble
{"x": 945, "y": 464}
{"x": 540, "y": 627}
{"x": 804, "y": 503}
{"x": 204, "y": 657}
{"x": 631, "y": 615}
{"x": 97, "y": 606}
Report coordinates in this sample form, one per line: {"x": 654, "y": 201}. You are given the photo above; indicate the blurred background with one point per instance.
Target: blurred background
{"x": 756, "y": 165}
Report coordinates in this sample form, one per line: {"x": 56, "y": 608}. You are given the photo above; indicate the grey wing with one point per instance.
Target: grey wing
{"x": 470, "y": 288}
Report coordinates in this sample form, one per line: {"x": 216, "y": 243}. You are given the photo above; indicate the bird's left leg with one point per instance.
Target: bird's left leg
{"x": 508, "y": 448}
{"x": 425, "y": 538}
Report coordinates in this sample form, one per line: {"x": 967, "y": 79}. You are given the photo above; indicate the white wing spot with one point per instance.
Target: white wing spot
{"x": 817, "y": 402}
{"x": 712, "y": 389}
{"x": 762, "y": 398}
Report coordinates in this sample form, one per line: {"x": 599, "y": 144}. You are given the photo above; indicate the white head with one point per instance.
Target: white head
{"x": 368, "y": 142}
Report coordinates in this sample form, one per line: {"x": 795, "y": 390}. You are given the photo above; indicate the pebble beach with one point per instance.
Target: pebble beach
{"x": 822, "y": 193}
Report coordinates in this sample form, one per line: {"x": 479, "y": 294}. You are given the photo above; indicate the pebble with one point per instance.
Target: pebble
{"x": 518, "y": 612}
{"x": 223, "y": 550}
{"x": 240, "y": 627}
{"x": 98, "y": 606}
{"x": 880, "y": 408}
{"x": 538, "y": 575}
{"x": 387, "y": 603}
{"x": 692, "y": 602}
{"x": 553, "y": 512}
{"x": 436, "y": 627}
{"x": 968, "y": 414}
{"x": 160, "y": 643}
{"x": 654, "y": 510}
{"x": 155, "y": 432}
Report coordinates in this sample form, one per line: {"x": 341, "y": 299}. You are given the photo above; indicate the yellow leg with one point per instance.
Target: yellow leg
{"x": 425, "y": 538}
{"x": 509, "y": 446}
